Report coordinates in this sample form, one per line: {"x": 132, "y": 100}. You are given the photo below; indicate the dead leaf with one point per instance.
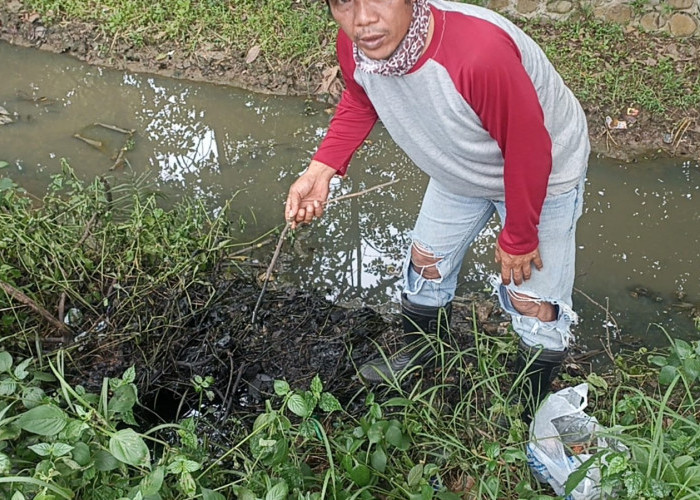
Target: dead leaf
{"x": 329, "y": 76}
{"x": 34, "y": 16}
{"x": 253, "y": 54}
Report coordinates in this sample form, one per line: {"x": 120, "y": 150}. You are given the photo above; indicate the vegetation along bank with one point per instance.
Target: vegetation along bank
{"x": 130, "y": 366}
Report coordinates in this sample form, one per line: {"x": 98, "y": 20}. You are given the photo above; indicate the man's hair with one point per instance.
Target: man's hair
{"x": 328, "y": 2}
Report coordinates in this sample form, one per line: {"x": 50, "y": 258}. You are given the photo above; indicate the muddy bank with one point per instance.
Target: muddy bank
{"x": 676, "y": 133}
{"x": 208, "y": 330}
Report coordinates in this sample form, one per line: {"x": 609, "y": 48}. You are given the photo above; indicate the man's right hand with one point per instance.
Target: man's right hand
{"x": 308, "y": 194}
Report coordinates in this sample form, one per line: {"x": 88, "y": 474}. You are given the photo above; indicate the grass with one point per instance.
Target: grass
{"x": 606, "y": 67}
{"x": 285, "y": 30}
{"x": 422, "y": 435}
{"x": 611, "y": 69}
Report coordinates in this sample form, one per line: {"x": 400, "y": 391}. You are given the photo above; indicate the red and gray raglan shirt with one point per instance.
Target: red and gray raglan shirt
{"x": 483, "y": 112}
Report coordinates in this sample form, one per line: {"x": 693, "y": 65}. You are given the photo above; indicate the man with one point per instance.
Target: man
{"x": 475, "y": 104}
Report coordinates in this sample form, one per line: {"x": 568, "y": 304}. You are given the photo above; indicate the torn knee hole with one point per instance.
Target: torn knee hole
{"x": 533, "y": 307}
{"x": 425, "y": 262}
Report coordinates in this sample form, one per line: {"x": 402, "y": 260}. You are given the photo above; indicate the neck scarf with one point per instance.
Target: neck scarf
{"x": 407, "y": 53}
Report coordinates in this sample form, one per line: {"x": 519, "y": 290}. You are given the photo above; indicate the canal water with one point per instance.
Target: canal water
{"x": 639, "y": 244}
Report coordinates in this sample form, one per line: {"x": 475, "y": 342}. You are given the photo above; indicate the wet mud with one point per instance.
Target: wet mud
{"x": 207, "y": 331}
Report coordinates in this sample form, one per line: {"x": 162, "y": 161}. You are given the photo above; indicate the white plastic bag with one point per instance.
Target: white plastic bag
{"x": 550, "y": 460}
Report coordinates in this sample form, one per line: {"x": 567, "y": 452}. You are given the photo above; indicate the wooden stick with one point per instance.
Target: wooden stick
{"x": 269, "y": 269}
{"x": 359, "y": 193}
{"x": 286, "y": 230}
{"x": 115, "y": 128}
{"x": 21, "y": 297}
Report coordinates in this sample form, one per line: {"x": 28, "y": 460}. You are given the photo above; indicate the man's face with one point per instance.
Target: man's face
{"x": 376, "y": 26}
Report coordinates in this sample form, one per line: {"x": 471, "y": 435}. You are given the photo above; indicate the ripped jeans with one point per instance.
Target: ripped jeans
{"x": 448, "y": 224}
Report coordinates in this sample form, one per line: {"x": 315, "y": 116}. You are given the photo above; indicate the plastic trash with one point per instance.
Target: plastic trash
{"x": 562, "y": 437}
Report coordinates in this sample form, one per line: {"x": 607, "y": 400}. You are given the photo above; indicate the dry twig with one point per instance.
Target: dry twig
{"x": 22, "y": 298}
{"x": 609, "y": 319}
{"x": 286, "y": 229}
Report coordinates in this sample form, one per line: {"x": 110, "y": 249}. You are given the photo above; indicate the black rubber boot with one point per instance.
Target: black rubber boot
{"x": 418, "y": 322}
{"x": 543, "y": 366}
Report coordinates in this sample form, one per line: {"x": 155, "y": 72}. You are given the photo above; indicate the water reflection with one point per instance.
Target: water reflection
{"x": 639, "y": 243}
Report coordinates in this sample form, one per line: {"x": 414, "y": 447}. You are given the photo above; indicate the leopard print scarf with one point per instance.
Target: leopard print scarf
{"x": 407, "y": 53}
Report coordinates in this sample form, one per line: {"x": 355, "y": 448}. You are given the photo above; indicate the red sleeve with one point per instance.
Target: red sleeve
{"x": 353, "y": 119}
{"x": 496, "y": 85}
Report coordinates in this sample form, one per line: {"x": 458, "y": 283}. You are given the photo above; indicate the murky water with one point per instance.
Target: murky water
{"x": 639, "y": 240}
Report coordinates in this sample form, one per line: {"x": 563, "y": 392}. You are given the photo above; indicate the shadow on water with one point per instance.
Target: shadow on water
{"x": 639, "y": 248}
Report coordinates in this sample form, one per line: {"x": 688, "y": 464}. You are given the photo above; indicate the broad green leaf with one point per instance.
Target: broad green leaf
{"x": 379, "y": 460}
{"x": 492, "y": 449}
{"x": 18, "y": 496}
{"x": 376, "y": 432}
{"x": 278, "y": 491}
{"x": 129, "y": 375}
{"x": 21, "y": 369}
{"x": 415, "y": 475}
{"x": 7, "y": 184}
{"x": 9, "y": 432}
{"x": 691, "y": 476}
{"x": 683, "y": 349}
{"x": 74, "y": 430}
{"x": 316, "y": 386}
{"x": 5, "y": 361}
{"x": 208, "y": 494}
{"x": 44, "y": 420}
{"x": 308, "y": 429}
{"x": 634, "y": 482}
{"x": 617, "y": 464}
{"x": 41, "y": 449}
{"x": 182, "y": 464}
{"x": 692, "y": 368}
{"x": 32, "y": 397}
{"x": 597, "y": 381}
{"x": 151, "y": 484}
{"x": 7, "y": 387}
{"x": 667, "y": 374}
{"x": 375, "y": 411}
{"x": 4, "y": 164}
{"x": 513, "y": 456}
{"x": 360, "y": 474}
{"x": 682, "y": 461}
{"x": 123, "y": 400}
{"x": 310, "y": 400}
{"x": 105, "y": 461}
{"x": 329, "y": 403}
{"x": 298, "y": 406}
{"x": 5, "y": 464}
{"x": 394, "y": 436}
{"x": 81, "y": 453}
{"x": 187, "y": 484}
{"x": 60, "y": 449}
{"x": 263, "y": 420}
{"x": 128, "y": 447}
{"x": 244, "y": 494}
{"x": 281, "y": 387}
{"x": 658, "y": 360}
{"x": 280, "y": 453}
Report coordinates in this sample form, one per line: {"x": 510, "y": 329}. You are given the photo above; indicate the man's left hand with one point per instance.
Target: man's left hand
{"x": 517, "y": 267}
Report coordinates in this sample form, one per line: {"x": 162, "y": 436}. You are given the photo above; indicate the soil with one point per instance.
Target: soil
{"x": 297, "y": 334}
{"x": 676, "y": 133}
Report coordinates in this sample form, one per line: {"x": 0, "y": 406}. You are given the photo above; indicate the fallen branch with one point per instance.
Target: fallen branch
{"x": 286, "y": 230}
{"x": 609, "y": 319}
{"x": 22, "y": 298}
{"x": 269, "y": 269}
